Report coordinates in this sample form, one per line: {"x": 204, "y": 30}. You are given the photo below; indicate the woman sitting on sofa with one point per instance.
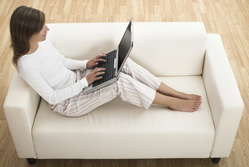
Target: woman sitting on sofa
{"x": 60, "y": 80}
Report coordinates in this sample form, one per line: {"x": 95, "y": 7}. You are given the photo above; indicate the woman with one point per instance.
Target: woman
{"x": 60, "y": 80}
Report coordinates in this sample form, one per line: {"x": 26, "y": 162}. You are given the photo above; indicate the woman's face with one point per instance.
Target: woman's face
{"x": 41, "y": 36}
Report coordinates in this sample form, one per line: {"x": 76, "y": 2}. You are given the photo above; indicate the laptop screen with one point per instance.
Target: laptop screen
{"x": 124, "y": 45}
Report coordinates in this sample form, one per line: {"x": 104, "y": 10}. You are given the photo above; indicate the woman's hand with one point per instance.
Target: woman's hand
{"x": 93, "y": 62}
{"x": 92, "y": 76}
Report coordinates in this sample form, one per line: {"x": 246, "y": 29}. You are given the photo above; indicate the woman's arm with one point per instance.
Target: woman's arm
{"x": 36, "y": 81}
{"x": 77, "y": 64}
{"x": 72, "y": 64}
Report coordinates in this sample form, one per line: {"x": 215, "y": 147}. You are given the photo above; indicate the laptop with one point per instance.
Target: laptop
{"x": 115, "y": 60}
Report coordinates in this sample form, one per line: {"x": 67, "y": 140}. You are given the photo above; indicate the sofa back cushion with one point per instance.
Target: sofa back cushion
{"x": 165, "y": 49}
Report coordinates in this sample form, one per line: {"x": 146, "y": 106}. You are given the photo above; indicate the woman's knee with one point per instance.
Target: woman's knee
{"x": 123, "y": 76}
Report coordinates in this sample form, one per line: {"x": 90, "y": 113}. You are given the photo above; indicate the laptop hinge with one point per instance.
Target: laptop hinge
{"x": 116, "y": 62}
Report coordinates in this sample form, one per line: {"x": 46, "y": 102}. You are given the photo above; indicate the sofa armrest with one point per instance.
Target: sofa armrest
{"x": 223, "y": 95}
{"x": 20, "y": 108}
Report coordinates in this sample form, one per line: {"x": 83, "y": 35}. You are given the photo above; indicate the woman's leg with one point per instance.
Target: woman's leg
{"x": 176, "y": 103}
{"x": 134, "y": 92}
{"x": 142, "y": 75}
{"x": 83, "y": 104}
{"x": 141, "y": 95}
{"x": 166, "y": 90}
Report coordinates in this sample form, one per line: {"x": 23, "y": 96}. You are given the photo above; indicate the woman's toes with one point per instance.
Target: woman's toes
{"x": 198, "y": 98}
{"x": 200, "y": 103}
{"x": 193, "y": 109}
{"x": 196, "y": 104}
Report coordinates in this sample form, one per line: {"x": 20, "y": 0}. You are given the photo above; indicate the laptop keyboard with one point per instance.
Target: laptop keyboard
{"x": 109, "y": 68}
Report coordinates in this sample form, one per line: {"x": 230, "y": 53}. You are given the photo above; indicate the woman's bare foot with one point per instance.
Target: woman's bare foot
{"x": 188, "y": 96}
{"x": 185, "y": 105}
{"x": 176, "y": 103}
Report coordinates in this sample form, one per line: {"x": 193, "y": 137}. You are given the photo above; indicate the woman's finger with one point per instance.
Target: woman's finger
{"x": 97, "y": 78}
{"x": 99, "y": 73}
{"x": 95, "y": 70}
{"x": 101, "y": 55}
{"x": 100, "y": 69}
{"x": 102, "y": 60}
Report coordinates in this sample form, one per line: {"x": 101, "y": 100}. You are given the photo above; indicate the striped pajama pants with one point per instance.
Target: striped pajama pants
{"x": 135, "y": 85}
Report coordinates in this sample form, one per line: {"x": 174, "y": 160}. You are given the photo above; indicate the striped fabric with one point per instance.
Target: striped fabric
{"x": 135, "y": 85}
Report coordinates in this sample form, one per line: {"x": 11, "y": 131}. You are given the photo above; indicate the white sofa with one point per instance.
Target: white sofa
{"x": 182, "y": 55}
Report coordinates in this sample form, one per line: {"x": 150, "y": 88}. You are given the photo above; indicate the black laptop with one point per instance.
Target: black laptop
{"x": 114, "y": 61}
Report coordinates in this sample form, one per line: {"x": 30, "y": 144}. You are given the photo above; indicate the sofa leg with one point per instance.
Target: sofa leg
{"x": 31, "y": 161}
{"x": 215, "y": 160}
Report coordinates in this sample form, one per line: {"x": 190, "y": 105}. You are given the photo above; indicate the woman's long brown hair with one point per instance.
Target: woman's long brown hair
{"x": 24, "y": 23}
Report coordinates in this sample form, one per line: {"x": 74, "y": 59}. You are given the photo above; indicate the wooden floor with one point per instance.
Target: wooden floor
{"x": 230, "y": 18}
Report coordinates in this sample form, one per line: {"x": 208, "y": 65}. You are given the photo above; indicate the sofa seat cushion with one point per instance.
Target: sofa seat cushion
{"x": 120, "y": 130}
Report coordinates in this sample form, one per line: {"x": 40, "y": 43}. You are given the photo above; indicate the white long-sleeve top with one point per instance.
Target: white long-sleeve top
{"x": 50, "y": 73}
